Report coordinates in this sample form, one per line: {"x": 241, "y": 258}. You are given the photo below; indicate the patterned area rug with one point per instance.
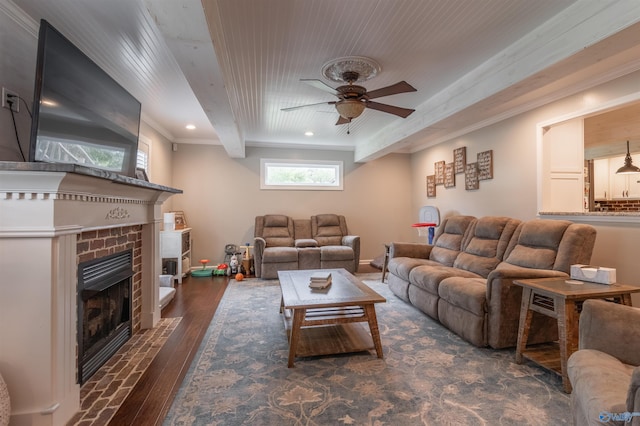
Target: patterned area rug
{"x": 428, "y": 376}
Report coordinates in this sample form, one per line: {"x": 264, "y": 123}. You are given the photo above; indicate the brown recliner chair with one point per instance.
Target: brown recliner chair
{"x": 605, "y": 371}
{"x": 338, "y": 249}
{"x": 274, "y": 245}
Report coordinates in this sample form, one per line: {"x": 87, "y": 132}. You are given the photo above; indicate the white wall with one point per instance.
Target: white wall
{"x": 18, "y": 48}
{"x": 222, "y": 197}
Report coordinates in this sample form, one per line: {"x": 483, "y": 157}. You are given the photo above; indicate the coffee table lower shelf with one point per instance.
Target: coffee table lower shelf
{"x": 333, "y": 338}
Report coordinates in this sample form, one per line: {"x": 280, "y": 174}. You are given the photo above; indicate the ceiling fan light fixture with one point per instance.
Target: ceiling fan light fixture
{"x": 350, "y": 108}
{"x": 628, "y": 167}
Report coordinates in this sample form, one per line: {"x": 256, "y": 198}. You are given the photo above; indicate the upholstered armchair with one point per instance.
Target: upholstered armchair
{"x": 605, "y": 371}
{"x": 273, "y": 245}
{"x": 338, "y": 249}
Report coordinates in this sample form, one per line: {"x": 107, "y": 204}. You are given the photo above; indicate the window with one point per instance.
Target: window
{"x": 301, "y": 174}
{"x": 142, "y": 161}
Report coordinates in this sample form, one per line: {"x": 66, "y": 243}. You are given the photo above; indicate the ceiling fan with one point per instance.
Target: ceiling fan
{"x": 353, "y": 99}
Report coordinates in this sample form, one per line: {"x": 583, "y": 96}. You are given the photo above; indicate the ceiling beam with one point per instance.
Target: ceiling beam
{"x": 519, "y": 68}
{"x": 184, "y": 27}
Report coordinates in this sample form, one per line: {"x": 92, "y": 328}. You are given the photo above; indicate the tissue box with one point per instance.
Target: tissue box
{"x": 594, "y": 274}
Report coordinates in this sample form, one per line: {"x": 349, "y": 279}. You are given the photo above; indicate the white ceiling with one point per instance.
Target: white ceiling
{"x": 230, "y": 66}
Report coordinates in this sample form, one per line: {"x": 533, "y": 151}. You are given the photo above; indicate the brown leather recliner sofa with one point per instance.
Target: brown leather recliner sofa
{"x": 321, "y": 242}
{"x": 465, "y": 278}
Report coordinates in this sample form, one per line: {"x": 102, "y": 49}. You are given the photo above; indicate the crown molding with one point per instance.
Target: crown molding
{"x": 20, "y": 17}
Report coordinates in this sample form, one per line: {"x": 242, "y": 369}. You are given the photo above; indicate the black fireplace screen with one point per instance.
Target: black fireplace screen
{"x": 104, "y": 310}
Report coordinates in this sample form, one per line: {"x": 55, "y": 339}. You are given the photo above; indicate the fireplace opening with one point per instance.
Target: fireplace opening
{"x": 104, "y": 310}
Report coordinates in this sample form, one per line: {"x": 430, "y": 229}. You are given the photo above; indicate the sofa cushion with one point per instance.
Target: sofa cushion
{"x": 306, "y": 242}
{"x": 537, "y": 243}
{"x": 328, "y": 220}
{"x": 276, "y": 229}
{"x": 486, "y": 244}
{"x": 402, "y": 266}
{"x": 428, "y": 277}
{"x": 466, "y": 293}
{"x": 600, "y": 381}
{"x": 329, "y": 253}
{"x": 328, "y": 229}
{"x": 448, "y": 240}
{"x": 279, "y": 255}
{"x": 276, "y": 221}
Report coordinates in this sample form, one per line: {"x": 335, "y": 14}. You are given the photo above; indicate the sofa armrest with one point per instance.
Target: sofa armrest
{"x": 259, "y": 244}
{"x": 415, "y": 250}
{"x": 633, "y": 396}
{"x": 611, "y": 328}
{"x": 353, "y": 241}
{"x": 504, "y": 299}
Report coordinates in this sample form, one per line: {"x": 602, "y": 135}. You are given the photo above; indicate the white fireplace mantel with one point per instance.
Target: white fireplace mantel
{"x": 43, "y": 208}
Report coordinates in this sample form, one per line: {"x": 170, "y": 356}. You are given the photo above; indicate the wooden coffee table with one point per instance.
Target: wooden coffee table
{"x": 322, "y": 322}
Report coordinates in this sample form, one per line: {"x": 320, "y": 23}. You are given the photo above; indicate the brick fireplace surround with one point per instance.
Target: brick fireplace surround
{"x": 51, "y": 218}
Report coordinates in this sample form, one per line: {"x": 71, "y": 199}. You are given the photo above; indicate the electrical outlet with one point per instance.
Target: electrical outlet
{"x": 10, "y": 98}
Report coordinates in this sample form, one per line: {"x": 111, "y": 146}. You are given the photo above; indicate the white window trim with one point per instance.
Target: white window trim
{"x": 337, "y": 165}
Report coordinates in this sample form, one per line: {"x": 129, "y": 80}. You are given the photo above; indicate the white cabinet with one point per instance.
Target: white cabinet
{"x": 610, "y": 186}
{"x": 622, "y": 186}
{"x": 176, "y": 246}
{"x": 601, "y": 179}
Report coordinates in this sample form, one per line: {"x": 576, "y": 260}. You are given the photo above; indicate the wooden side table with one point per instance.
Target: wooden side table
{"x": 387, "y": 247}
{"x": 558, "y": 299}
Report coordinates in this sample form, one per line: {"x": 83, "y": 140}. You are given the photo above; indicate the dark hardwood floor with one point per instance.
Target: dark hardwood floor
{"x": 196, "y": 302}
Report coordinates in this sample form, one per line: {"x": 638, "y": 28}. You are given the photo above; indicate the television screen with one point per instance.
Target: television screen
{"x": 81, "y": 115}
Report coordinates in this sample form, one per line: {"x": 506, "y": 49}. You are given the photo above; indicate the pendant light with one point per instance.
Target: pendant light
{"x": 628, "y": 167}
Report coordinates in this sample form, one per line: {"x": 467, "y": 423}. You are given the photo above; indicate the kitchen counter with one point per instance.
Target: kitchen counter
{"x": 612, "y": 217}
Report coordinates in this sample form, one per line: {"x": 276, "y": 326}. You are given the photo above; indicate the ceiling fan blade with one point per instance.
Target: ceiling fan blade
{"x": 342, "y": 120}
{"x": 308, "y": 105}
{"x": 401, "y": 87}
{"x": 400, "y": 112}
{"x": 320, "y": 85}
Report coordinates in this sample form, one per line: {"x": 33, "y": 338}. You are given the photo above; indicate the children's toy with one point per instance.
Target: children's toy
{"x": 239, "y": 277}
{"x": 204, "y": 272}
{"x": 234, "y": 266}
{"x": 221, "y": 269}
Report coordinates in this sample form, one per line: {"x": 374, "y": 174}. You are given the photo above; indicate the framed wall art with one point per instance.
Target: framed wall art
{"x": 181, "y": 220}
{"x": 459, "y": 159}
{"x": 431, "y": 186}
{"x": 439, "y": 171}
{"x": 449, "y": 175}
{"x": 485, "y": 165}
{"x": 471, "y": 177}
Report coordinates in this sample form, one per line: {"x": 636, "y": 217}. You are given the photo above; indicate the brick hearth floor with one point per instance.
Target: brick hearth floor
{"x": 102, "y": 394}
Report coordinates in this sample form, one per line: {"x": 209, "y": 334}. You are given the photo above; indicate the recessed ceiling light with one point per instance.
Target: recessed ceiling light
{"x": 308, "y": 133}
{"x": 190, "y": 126}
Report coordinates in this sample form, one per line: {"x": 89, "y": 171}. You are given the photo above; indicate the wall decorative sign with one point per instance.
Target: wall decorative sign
{"x": 471, "y": 181}
{"x": 449, "y": 176}
{"x": 439, "y": 168}
{"x": 460, "y": 159}
{"x": 431, "y": 186}
{"x": 485, "y": 165}
{"x": 445, "y": 173}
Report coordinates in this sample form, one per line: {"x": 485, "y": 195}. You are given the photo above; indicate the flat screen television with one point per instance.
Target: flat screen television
{"x": 80, "y": 114}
